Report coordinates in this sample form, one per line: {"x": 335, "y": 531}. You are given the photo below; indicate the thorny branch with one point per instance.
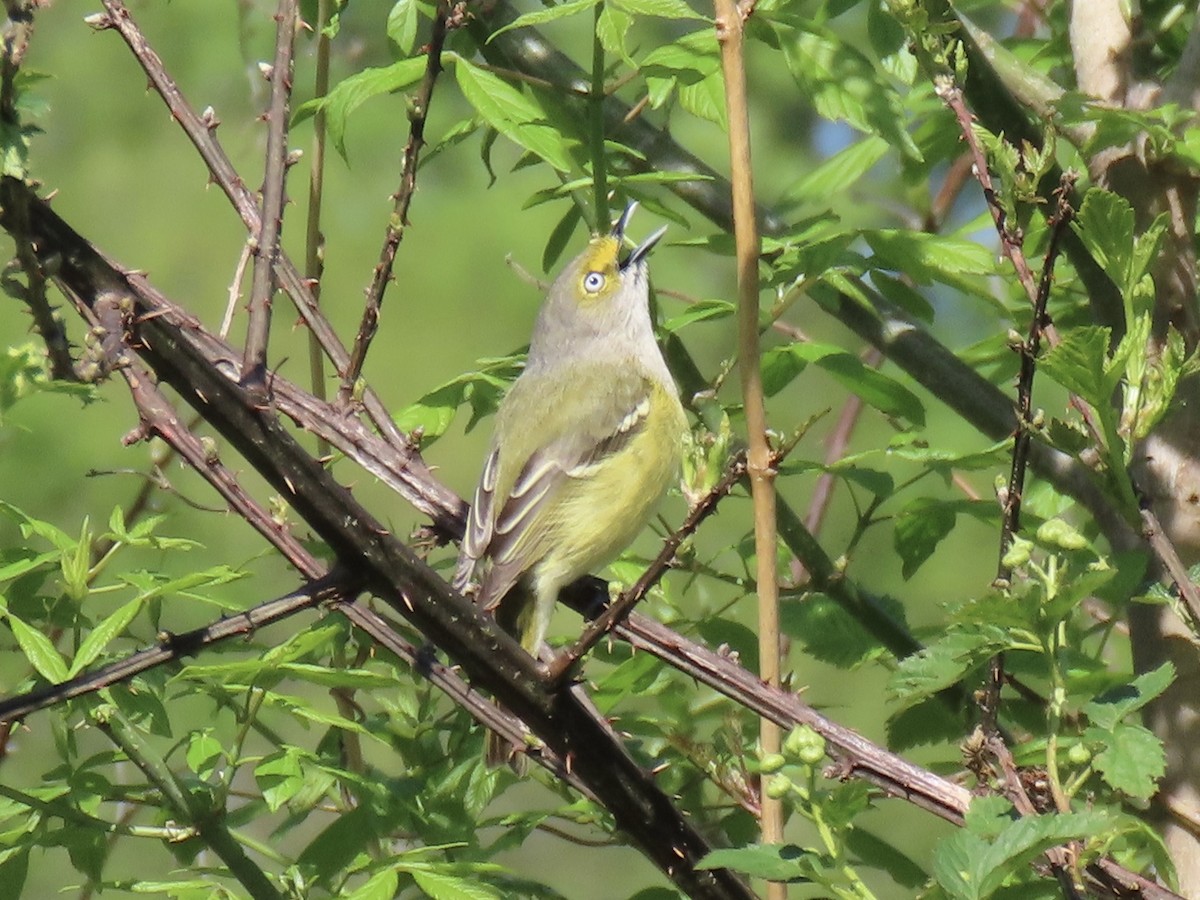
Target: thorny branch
{"x": 266, "y": 239}
{"x": 402, "y": 199}
{"x": 200, "y": 130}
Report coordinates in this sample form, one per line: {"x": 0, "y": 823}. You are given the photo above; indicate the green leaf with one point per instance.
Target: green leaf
{"x": 560, "y": 237}
{"x": 663, "y": 9}
{"x": 827, "y": 631}
{"x": 919, "y": 528}
{"x": 100, "y": 636}
{"x": 40, "y": 652}
{"x": 381, "y": 886}
{"x": 13, "y": 872}
{"x": 204, "y": 754}
{"x": 1132, "y": 761}
{"x": 279, "y": 777}
{"x": 928, "y": 257}
{"x": 700, "y": 311}
{"x": 443, "y": 886}
{"x": 611, "y": 28}
{"x": 351, "y": 93}
{"x": 1106, "y": 224}
{"x": 549, "y": 14}
{"x": 402, "y": 25}
{"x": 706, "y": 99}
{"x": 1078, "y": 363}
{"x": 512, "y": 114}
{"x": 971, "y": 868}
{"x": 1108, "y": 709}
{"x": 844, "y": 85}
{"x": 774, "y": 862}
{"x": 782, "y": 364}
{"x": 840, "y": 171}
{"x": 23, "y": 565}
{"x": 945, "y": 662}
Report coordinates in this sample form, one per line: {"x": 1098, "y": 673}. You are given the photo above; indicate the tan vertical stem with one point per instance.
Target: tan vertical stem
{"x": 762, "y": 476}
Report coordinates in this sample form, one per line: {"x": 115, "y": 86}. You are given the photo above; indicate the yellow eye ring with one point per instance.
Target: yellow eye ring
{"x": 593, "y": 282}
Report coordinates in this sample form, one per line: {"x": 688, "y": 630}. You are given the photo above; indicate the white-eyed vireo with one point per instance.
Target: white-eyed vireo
{"x": 585, "y": 443}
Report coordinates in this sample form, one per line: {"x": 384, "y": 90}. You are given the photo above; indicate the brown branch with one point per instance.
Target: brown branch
{"x": 200, "y": 130}
{"x": 266, "y": 255}
{"x": 730, "y": 40}
{"x": 389, "y": 568}
{"x": 171, "y": 648}
{"x": 1022, "y": 442}
{"x": 398, "y": 221}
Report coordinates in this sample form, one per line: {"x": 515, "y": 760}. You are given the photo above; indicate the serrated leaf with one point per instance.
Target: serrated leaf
{"x": 706, "y": 99}
{"x": 351, "y": 93}
{"x": 443, "y": 886}
{"x": 512, "y": 114}
{"x": 1106, "y": 225}
{"x": 40, "y": 652}
{"x": 840, "y": 171}
{"x": 380, "y": 886}
{"x": 944, "y": 662}
{"x": 971, "y": 868}
{"x": 1108, "y": 709}
{"x": 611, "y": 27}
{"x": 100, "y": 636}
{"x": 1078, "y": 363}
{"x": 1132, "y": 761}
{"x": 782, "y": 364}
{"x": 919, "y": 528}
{"x": 928, "y": 257}
{"x": 844, "y": 85}
{"x": 827, "y": 631}
{"x": 774, "y": 862}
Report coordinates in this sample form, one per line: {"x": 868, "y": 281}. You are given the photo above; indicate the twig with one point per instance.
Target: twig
{"x": 390, "y": 569}
{"x": 174, "y": 647}
{"x": 398, "y": 221}
{"x": 262, "y": 283}
{"x": 620, "y": 608}
{"x": 1023, "y": 439}
{"x": 17, "y": 31}
{"x": 200, "y": 130}
{"x": 835, "y": 446}
{"x": 1152, "y": 531}
{"x": 314, "y": 240}
{"x": 1014, "y": 788}
{"x": 729, "y": 25}
{"x": 209, "y": 821}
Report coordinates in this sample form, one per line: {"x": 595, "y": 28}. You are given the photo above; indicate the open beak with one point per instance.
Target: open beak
{"x": 641, "y": 250}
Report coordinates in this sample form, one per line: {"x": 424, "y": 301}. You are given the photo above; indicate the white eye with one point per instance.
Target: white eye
{"x": 593, "y": 282}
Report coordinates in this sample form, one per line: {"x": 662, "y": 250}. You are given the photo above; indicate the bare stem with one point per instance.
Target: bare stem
{"x": 398, "y": 222}
{"x": 758, "y": 456}
{"x": 314, "y": 239}
{"x": 262, "y": 284}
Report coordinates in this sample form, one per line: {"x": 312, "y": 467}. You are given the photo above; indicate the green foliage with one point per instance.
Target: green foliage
{"x": 335, "y": 770}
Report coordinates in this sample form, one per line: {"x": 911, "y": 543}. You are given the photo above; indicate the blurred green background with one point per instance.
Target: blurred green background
{"x": 126, "y": 177}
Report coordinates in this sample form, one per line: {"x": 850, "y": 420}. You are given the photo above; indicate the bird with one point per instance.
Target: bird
{"x": 585, "y": 443}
